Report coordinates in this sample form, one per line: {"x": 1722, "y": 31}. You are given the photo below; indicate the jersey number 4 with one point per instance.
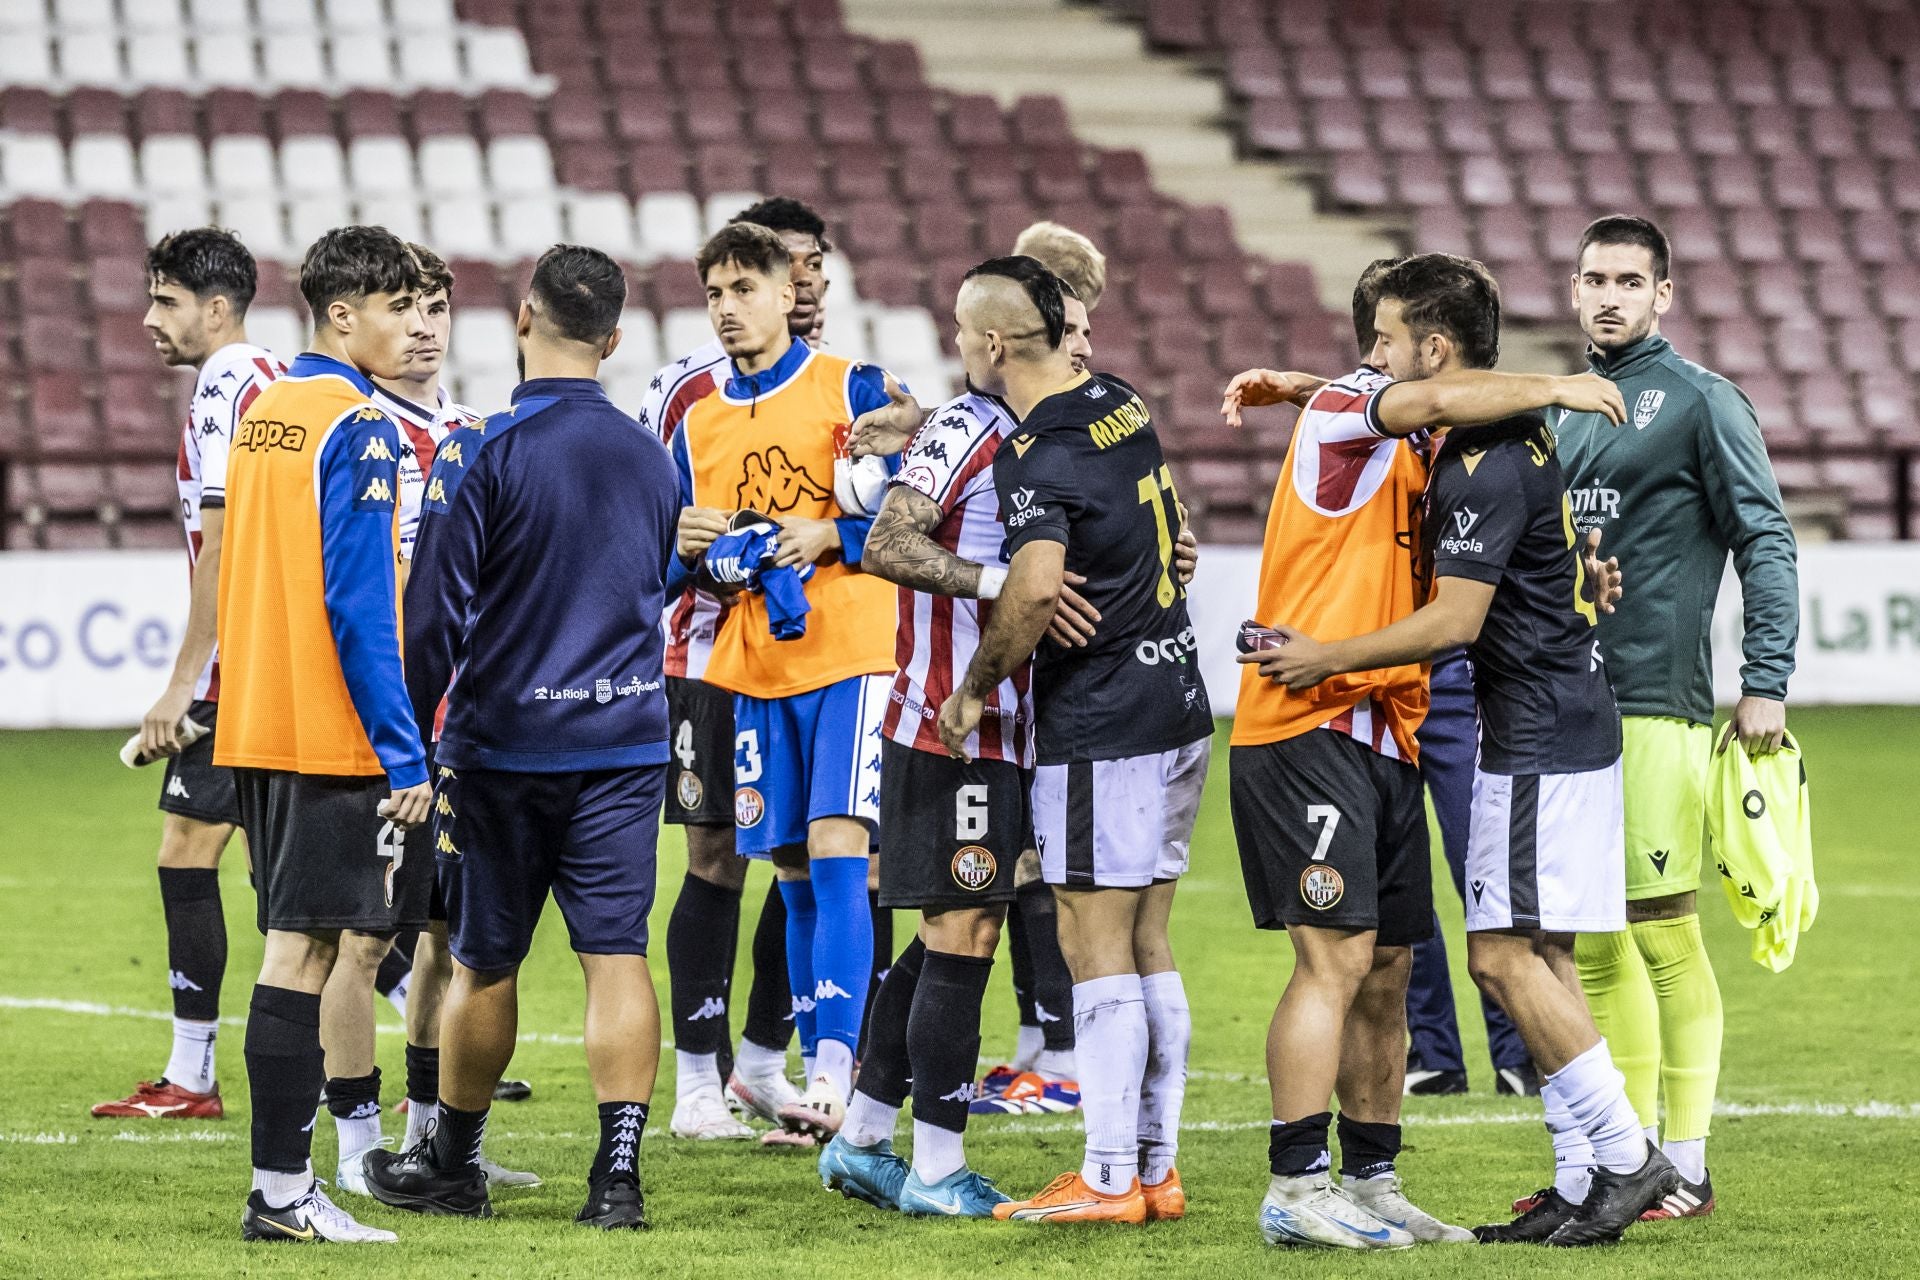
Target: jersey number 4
{"x": 1150, "y": 487}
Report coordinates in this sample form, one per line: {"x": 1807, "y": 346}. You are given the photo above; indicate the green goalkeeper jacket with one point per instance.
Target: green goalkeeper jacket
{"x": 1681, "y": 485}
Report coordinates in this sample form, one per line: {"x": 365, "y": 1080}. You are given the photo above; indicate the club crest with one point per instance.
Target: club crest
{"x": 1646, "y": 407}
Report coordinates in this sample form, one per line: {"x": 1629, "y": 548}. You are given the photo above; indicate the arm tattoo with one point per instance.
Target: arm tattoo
{"x": 899, "y": 550}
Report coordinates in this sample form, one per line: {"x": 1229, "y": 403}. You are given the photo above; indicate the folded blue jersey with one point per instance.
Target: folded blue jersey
{"x": 745, "y": 557}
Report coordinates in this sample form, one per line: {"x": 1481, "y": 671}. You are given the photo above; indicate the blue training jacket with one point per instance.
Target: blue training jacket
{"x": 540, "y": 578}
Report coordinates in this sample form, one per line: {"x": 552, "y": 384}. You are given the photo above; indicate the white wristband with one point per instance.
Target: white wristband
{"x": 991, "y": 580}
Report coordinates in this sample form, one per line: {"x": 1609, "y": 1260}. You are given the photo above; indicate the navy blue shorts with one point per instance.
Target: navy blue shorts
{"x": 503, "y": 841}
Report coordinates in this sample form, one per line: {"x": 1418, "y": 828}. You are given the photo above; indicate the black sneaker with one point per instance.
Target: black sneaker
{"x": 614, "y": 1205}
{"x": 410, "y": 1180}
{"x": 1547, "y": 1213}
{"x": 1617, "y": 1200}
{"x": 512, "y": 1091}
{"x": 1522, "y": 1081}
{"x": 1422, "y": 1083}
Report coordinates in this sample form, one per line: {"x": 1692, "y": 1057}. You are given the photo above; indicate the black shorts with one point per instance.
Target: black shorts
{"x": 1333, "y": 834}
{"x": 700, "y": 779}
{"x": 195, "y": 787}
{"x": 504, "y": 841}
{"x": 324, "y": 858}
{"x": 420, "y": 845}
{"x": 955, "y": 829}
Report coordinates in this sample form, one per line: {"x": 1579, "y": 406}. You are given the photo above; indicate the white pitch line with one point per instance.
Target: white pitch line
{"x": 87, "y": 1008}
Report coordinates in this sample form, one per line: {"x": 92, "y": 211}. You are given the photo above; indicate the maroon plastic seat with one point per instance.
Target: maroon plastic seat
{"x": 1505, "y": 233}
{"x": 111, "y": 229}
{"x": 1860, "y": 346}
{"x": 1566, "y": 73}
{"x": 644, "y": 115}
{"x": 1467, "y": 128}
{"x": 1687, "y": 75}
{"x": 1628, "y": 75}
{"x": 1831, "y": 133}
{"x": 1712, "y": 129}
{"x": 1673, "y": 183}
{"x": 975, "y": 120}
{"x": 1358, "y": 179}
{"x": 1772, "y": 132}
{"x": 164, "y": 111}
{"x": 1734, "y": 182}
{"x": 1529, "y": 291}
{"x": 710, "y": 116}
{"x": 1754, "y": 236}
{"x": 1853, "y": 185}
{"x": 1799, "y": 345}
{"x": 1040, "y": 120}
{"x": 90, "y": 110}
{"x": 1877, "y": 239}
{"x": 1226, "y": 288}
{"x": 1712, "y": 289}
{"x": 894, "y": 281}
{"x": 1506, "y": 75}
{"x": 1444, "y": 228}
{"x": 1338, "y": 124}
{"x": 1750, "y": 79}
{"x": 1159, "y": 288}
{"x": 656, "y": 166}
{"x": 1275, "y": 124}
{"x": 1840, "y": 291}
{"x": 47, "y": 287}
{"x": 1121, "y": 177}
{"x": 593, "y": 166}
{"x": 1588, "y": 129}
{"x": 1738, "y": 349}
{"x": 873, "y": 230}
{"x": 1444, "y": 73}
{"x": 1055, "y": 174}
{"x": 1817, "y": 235}
{"x": 1383, "y": 73}
{"x": 74, "y": 488}
{"x": 55, "y": 341}
{"x": 1320, "y": 74}
{"x": 38, "y": 229}
{"x": 1417, "y": 180}
{"x": 1528, "y": 126}
{"x": 123, "y": 342}
{"x": 1610, "y": 182}
{"x": 1652, "y": 128}
{"x": 1865, "y": 80}
{"x": 434, "y": 113}
{"x": 1256, "y": 71}
{"x": 627, "y": 62}
{"x": 305, "y": 113}
{"x": 63, "y": 417}
{"x": 1402, "y": 125}
{"x": 29, "y": 110}
{"x": 845, "y": 119}
{"x": 1546, "y": 179}
{"x": 724, "y": 167}
{"x": 1903, "y": 185}
{"x": 576, "y": 118}
{"x": 1695, "y": 235}
{"x": 942, "y": 229}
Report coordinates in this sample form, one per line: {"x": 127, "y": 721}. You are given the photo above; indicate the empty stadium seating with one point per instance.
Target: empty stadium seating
{"x": 1776, "y": 141}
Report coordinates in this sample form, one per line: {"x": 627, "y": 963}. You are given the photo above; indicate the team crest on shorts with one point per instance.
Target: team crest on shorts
{"x": 974, "y": 868}
{"x": 748, "y": 807}
{"x": 1321, "y": 886}
{"x": 689, "y": 789}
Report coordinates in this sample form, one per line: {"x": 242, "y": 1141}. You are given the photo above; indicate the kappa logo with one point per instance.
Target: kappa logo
{"x": 1646, "y": 407}
{"x": 772, "y": 483}
{"x": 965, "y": 1093}
{"x": 436, "y": 492}
{"x": 828, "y": 989}
{"x": 442, "y": 805}
{"x": 263, "y": 433}
{"x": 181, "y": 982}
{"x": 378, "y": 490}
{"x": 711, "y": 1007}
{"x": 443, "y": 845}
{"x": 177, "y": 789}
{"x": 450, "y": 452}
{"x": 376, "y": 451}
{"x": 367, "y": 413}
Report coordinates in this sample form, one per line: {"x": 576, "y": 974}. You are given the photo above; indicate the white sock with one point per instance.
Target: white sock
{"x": 868, "y": 1121}
{"x": 191, "y": 1064}
{"x": 1596, "y": 1096}
{"x": 1652, "y": 1132}
{"x": 1110, "y": 1038}
{"x": 1028, "y": 1048}
{"x": 357, "y": 1134}
{"x": 937, "y": 1153}
{"x": 1056, "y": 1064}
{"x": 757, "y": 1062}
{"x": 420, "y": 1118}
{"x": 808, "y": 1063}
{"x": 398, "y": 996}
{"x": 833, "y": 1060}
{"x": 1572, "y": 1153}
{"x": 1689, "y": 1156}
{"x": 695, "y": 1072}
{"x": 281, "y": 1189}
{"x": 1163, "y": 1086}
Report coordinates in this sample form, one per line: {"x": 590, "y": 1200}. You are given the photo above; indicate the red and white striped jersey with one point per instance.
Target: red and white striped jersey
{"x": 421, "y": 433}
{"x": 951, "y": 461}
{"x": 693, "y": 620}
{"x": 224, "y": 390}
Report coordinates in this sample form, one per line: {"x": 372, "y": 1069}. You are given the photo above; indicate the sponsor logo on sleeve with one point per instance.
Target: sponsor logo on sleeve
{"x": 1458, "y": 543}
{"x": 1024, "y": 509}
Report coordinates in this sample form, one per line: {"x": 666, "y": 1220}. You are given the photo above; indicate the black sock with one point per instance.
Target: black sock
{"x": 1367, "y": 1150}
{"x": 196, "y": 940}
{"x": 882, "y": 919}
{"x": 621, "y": 1124}
{"x": 700, "y": 931}
{"x": 285, "y": 1069}
{"x": 349, "y": 1097}
{"x": 1052, "y": 980}
{"x": 394, "y": 967}
{"x": 456, "y": 1138}
{"x": 423, "y": 1073}
{"x": 1022, "y": 957}
{"x": 1297, "y": 1147}
{"x": 884, "y": 1072}
{"x": 943, "y": 1037}
{"x": 769, "y": 1002}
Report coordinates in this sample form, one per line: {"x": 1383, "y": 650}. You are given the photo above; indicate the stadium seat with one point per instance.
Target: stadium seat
{"x": 669, "y": 226}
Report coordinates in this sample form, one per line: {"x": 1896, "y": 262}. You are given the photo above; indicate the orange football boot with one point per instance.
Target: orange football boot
{"x": 1166, "y": 1199}
{"x": 164, "y": 1100}
{"x": 1068, "y": 1198}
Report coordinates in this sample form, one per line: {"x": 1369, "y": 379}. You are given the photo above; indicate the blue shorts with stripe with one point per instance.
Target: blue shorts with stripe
{"x": 797, "y": 759}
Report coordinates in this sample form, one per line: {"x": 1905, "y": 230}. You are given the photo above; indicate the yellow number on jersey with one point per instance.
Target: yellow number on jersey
{"x": 1149, "y": 488}
{"x": 1581, "y": 605}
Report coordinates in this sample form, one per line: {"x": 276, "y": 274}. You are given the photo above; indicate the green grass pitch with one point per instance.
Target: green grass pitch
{"x": 1813, "y": 1155}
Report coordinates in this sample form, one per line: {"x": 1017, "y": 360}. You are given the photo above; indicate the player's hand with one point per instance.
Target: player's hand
{"x": 1186, "y": 550}
{"x": 885, "y": 431}
{"x": 408, "y": 807}
{"x": 803, "y": 540}
{"x": 1257, "y": 387}
{"x": 1759, "y": 723}
{"x": 699, "y": 526}
{"x": 1590, "y": 393}
{"x": 1074, "y": 617}
{"x": 1299, "y": 662}
{"x": 160, "y": 728}
{"x": 1603, "y": 576}
{"x": 959, "y": 717}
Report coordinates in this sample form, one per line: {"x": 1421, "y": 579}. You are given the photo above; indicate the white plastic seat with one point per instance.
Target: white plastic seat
{"x": 430, "y": 60}
{"x": 293, "y": 60}
{"x": 450, "y": 166}
{"x": 361, "y": 60}
{"x": 379, "y": 163}
{"x": 158, "y": 60}
{"x": 301, "y": 16}
{"x": 242, "y": 164}
{"x": 495, "y": 58}
{"x": 281, "y": 330}
{"x": 26, "y": 58}
{"x": 357, "y": 15}
{"x": 219, "y": 15}
{"x": 78, "y": 15}
{"x": 903, "y": 336}
{"x": 176, "y": 212}
{"x": 669, "y": 224}
{"x": 686, "y": 329}
{"x": 258, "y": 222}
{"x": 91, "y": 57}
{"x": 529, "y": 226}
{"x": 311, "y": 216}
{"x": 640, "y": 348}
{"x": 32, "y": 164}
{"x": 225, "y": 60}
{"x": 846, "y": 331}
{"x": 519, "y": 165}
{"x": 172, "y": 164}
{"x": 398, "y": 213}
{"x": 839, "y": 273}
{"x": 486, "y": 388}
{"x": 602, "y": 219}
{"x": 311, "y": 162}
{"x": 101, "y": 164}
{"x": 424, "y": 15}
{"x": 723, "y": 205}
{"x": 460, "y": 229}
